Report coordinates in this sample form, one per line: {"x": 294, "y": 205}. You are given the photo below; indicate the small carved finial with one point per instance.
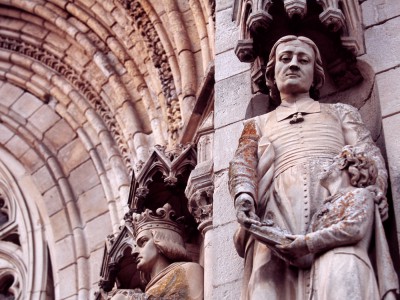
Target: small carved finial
{"x": 296, "y": 8}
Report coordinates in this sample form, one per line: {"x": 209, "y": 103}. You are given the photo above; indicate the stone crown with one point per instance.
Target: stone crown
{"x": 163, "y": 218}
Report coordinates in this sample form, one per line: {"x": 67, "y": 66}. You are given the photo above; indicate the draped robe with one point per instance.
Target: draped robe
{"x": 279, "y": 165}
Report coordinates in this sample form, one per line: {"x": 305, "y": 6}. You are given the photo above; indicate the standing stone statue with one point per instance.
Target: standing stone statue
{"x": 274, "y": 177}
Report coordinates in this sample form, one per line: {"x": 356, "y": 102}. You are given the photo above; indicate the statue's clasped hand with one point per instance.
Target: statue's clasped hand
{"x": 245, "y": 210}
{"x": 297, "y": 248}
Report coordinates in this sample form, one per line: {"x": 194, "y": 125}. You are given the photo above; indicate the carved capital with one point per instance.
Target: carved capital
{"x": 333, "y": 19}
{"x": 258, "y": 20}
{"x": 200, "y": 204}
{"x": 296, "y": 8}
{"x": 244, "y": 50}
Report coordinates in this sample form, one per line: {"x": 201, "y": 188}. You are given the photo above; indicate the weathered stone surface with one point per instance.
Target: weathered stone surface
{"x": 227, "y": 291}
{"x": 378, "y": 11}
{"x": 59, "y": 223}
{"x": 225, "y": 144}
{"x": 389, "y": 91}
{"x": 391, "y": 127}
{"x": 92, "y": 203}
{"x": 43, "y": 179}
{"x": 223, "y": 208}
{"x": 221, "y": 5}
{"x": 64, "y": 252}
{"x": 232, "y": 99}
{"x": 227, "y": 64}
{"x": 83, "y": 178}
{"x": 94, "y": 240}
{"x": 60, "y": 134}
{"x": 72, "y": 155}
{"x": 31, "y": 160}
{"x": 44, "y": 118}
{"x": 69, "y": 289}
{"x": 9, "y": 93}
{"x": 228, "y": 266}
{"x": 5, "y": 134}
{"x": 52, "y": 200}
{"x": 227, "y": 33}
{"x": 383, "y": 45}
{"x": 26, "y": 105}
{"x": 17, "y": 146}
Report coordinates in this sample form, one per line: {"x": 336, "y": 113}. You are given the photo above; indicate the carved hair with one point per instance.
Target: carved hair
{"x": 319, "y": 75}
{"x": 170, "y": 244}
{"x": 361, "y": 168}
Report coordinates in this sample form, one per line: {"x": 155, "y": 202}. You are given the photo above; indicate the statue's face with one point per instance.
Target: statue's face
{"x": 146, "y": 251}
{"x": 294, "y": 67}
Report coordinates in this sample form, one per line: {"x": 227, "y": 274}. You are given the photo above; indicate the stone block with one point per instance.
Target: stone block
{"x": 227, "y": 65}
{"x": 223, "y": 208}
{"x": 9, "y": 93}
{"x": 43, "y": 179}
{"x": 232, "y": 98}
{"x": 93, "y": 203}
{"x": 83, "y": 178}
{"x": 228, "y": 291}
{"x": 5, "y": 134}
{"x": 60, "y": 134}
{"x": 391, "y": 127}
{"x": 389, "y": 91}
{"x": 26, "y": 105}
{"x": 64, "y": 252}
{"x": 44, "y": 118}
{"x": 371, "y": 114}
{"x": 72, "y": 155}
{"x": 228, "y": 266}
{"x": 53, "y": 201}
{"x": 227, "y": 33}
{"x": 95, "y": 240}
{"x": 222, "y": 4}
{"x": 68, "y": 285}
{"x": 225, "y": 143}
{"x": 95, "y": 264}
{"x": 17, "y": 146}
{"x": 378, "y": 11}
{"x": 383, "y": 45}
{"x": 60, "y": 226}
{"x": 31, "y": 160}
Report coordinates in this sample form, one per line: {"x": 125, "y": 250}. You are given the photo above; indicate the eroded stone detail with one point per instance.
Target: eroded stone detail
{"x": 159, "y": 59}
{"x": 78, "y": 82}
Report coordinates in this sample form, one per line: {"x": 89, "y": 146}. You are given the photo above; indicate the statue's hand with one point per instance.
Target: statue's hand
{"x": 245, "y": 210}
{"x": 381, "y": 201}
{"x": 297, "y": 248}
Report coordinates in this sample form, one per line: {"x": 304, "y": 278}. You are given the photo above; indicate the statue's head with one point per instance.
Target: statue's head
{"x": 360, "y": 167}
{"x": 294, "y": 64}
{"x": 158, "y": 236}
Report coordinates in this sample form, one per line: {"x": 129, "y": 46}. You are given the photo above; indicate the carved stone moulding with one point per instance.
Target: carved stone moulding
{"x": 244, "y": 50}
{"x": 333, "y": 19}
{"x": 162, "y": 179}
{"x": 296, "y": 8}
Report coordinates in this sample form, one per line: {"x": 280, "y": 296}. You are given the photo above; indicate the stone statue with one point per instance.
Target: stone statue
{"x": 274, "y": 177}
{"x": 161, "y": 255}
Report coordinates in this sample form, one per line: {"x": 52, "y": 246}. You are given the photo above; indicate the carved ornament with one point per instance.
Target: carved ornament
{"x": 159, "y": 58}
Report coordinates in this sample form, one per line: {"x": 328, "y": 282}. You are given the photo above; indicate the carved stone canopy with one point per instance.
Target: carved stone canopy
{"x": 162, "y": 179}
{"x": 333, "y": 25}
{"x": 119, "y": 266}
